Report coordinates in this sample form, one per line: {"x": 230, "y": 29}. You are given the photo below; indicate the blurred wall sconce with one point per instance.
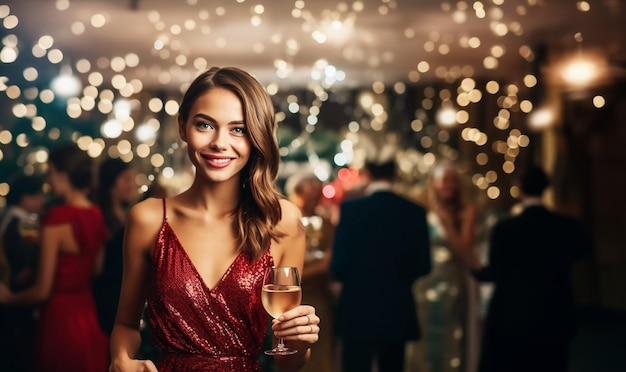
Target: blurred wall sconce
{"x": 582, "y": 71}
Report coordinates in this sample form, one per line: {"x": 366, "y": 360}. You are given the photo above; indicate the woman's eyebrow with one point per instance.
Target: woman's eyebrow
{"x": 204, "y": 117}
{"x": 209, "y": 118}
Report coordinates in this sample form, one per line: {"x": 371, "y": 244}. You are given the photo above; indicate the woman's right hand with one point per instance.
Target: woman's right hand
{"x": 132, "y": 365}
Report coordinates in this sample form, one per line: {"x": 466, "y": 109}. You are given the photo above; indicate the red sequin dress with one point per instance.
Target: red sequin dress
{"x": 69, "y": 337}
{"x": 205, "y": 329}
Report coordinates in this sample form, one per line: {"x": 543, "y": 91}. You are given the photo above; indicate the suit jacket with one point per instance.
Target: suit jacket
{"x": 381, "y": 246}
{"x": 530, "y": 261}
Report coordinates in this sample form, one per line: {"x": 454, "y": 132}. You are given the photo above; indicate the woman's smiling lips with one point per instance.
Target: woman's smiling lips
{"x": 217, "y": 161}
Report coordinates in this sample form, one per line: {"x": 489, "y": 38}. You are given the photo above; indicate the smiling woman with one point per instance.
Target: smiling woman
{"x": 208, "y": 247}
{"x": 218, "y": 145}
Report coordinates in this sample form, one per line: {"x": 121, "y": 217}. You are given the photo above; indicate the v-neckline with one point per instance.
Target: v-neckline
{"x": 193, "y": 265}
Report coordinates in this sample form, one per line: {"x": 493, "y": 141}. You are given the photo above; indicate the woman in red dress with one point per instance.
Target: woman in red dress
{"x": 199, "y": 257}
{"x": 68, "y": 335}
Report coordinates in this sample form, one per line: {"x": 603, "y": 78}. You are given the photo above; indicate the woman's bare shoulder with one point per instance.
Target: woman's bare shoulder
{"x": 289, "y": 249}
{"x": 291, "y": 217}
{"x": 147, "y": 213}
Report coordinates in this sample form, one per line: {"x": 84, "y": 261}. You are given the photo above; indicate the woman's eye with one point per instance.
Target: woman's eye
{"x": 239, "y": 130}
{"x": 204, "y": 125}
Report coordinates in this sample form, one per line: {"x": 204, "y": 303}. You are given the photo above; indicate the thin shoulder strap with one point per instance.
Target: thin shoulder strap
{"x": 164, "y": 210}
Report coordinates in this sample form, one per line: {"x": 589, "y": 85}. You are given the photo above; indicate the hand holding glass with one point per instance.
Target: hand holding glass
{"x": 281, "y": 292}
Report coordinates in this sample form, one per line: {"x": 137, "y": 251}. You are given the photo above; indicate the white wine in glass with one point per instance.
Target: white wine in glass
{"x": 281, "y": 292}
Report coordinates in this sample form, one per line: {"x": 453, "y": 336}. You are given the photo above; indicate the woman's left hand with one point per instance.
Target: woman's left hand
{"x": 299, "y": 326}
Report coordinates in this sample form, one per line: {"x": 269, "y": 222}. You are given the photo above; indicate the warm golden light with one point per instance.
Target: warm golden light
{"x": 446, "y": 117}
{"x": 579, "y": 72}
{"x": 541, "y": 118}
{"x": 599, "y": 101}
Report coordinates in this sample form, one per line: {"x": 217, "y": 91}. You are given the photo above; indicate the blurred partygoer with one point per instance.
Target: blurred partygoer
{"x": 305, "y": 191}
{"x": 19, "y": 249}
{"x": 73, "y": 234}
{"x": 116, "y": 192}
{"x": 531, "y": 316}
{"x": 381, "y": 246}
{"x": 448, "y": 296}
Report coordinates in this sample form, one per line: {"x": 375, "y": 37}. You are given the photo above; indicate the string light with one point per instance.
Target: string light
{"x": 129, "y": 75}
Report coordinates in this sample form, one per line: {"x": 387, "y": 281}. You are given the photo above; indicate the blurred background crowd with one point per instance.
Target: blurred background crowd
{"x": 487, "y": 88}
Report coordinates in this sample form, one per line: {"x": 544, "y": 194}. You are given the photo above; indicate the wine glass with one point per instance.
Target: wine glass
{"x": 281, "y": 292}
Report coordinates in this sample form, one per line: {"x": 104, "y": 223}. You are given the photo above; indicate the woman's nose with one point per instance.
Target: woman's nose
{"x": 219, "y": 141}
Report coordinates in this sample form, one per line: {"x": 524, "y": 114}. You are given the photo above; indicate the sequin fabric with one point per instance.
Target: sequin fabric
{"x": 200, "y": 328}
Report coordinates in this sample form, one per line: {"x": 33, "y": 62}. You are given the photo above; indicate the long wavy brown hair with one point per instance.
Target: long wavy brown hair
{"x": 259, "y": 209}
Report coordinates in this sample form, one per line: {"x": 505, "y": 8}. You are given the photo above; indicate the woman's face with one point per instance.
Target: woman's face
{"x": 125, "y": 188}
{"x": 446, "y": 185}
{"x": 217, "y": 140}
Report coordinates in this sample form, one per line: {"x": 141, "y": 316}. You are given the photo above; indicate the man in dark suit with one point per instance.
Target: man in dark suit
{"x": 531, "y": 316}
{"x": 381, "y": 246}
